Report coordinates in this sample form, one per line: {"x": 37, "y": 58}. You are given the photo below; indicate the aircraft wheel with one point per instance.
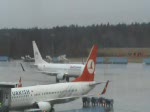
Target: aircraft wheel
{"x": 67, "y": 78}
{"x": 52, "y": 110}
{"x": 57, "y": 80}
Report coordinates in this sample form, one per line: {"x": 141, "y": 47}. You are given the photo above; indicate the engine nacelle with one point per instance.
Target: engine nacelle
{"x": 44, "y": 106}
{"x": 61, "y": 76}
{"x": 41, "y": 67}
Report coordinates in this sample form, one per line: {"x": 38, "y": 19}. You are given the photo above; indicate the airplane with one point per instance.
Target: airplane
{"x": 44, "y": 97}
{"x": 60, "y": 70}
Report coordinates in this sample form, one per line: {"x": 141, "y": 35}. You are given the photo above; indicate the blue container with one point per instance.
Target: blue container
{"x": 117, "y": 60}
{"x": 147, "y": 61}
{"x": 100, "y": 60}
{"x": 4, "y": 58}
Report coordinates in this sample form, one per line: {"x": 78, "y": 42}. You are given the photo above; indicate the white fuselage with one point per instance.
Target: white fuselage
{"x": 25, "y": 97}
{"x": 74, "y": 70}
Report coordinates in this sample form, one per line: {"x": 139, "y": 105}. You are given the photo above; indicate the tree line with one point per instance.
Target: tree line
{"x": 73, "y": 40}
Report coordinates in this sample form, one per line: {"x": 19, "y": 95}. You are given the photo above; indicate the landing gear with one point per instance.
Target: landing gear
{"x": 67, "y": 78}
{"x": 57, "y": 80}
{"x": 52, "y": 110}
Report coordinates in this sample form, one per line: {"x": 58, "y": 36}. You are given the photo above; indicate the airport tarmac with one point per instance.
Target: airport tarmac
{"x": 129, "y": 87}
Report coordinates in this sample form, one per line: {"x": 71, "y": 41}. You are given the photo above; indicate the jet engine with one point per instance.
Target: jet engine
{"x": 61, "y": 76}
{"x": 41, "y": 67}
{"x": 44, "y": 106}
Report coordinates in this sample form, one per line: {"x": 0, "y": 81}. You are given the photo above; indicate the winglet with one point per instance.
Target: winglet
{"x": 105, "y": 88}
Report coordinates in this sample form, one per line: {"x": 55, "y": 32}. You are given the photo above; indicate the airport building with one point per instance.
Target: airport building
{"x": 125, "y": 52}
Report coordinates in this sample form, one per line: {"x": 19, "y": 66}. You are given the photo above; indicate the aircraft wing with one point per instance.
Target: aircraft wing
{"x": 62, "y": 100}
{"x": 49, "y": 73}
{"x": 67, "y": 99}
{"x": 94, "y": 84}
{"x": 33, "y": 110}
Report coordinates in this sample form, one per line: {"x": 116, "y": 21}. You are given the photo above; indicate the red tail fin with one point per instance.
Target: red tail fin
{"x": 89, "y": 69}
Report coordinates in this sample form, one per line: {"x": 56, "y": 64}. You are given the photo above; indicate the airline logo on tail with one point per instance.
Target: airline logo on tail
{"x": 91, "y": 66}
{"x": 89, "y": 70}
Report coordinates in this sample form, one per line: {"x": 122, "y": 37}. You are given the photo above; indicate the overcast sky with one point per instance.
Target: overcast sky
{"x": 49, "y": 13}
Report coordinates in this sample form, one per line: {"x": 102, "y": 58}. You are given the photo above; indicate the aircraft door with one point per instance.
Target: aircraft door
{"x": 6, "y": 99}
